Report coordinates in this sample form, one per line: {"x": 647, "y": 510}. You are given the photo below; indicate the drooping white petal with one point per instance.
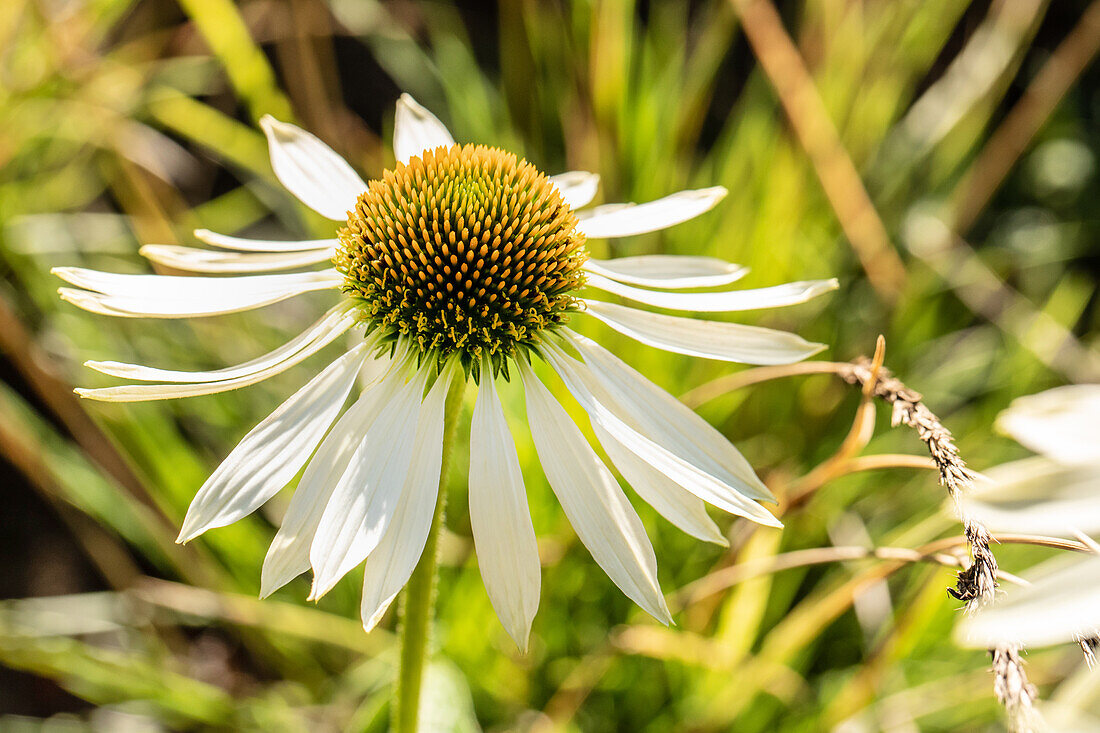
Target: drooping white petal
{"x": 288, "y": 555}
{"x": 679, "y": 506}
{"x": 272, "y": 452}
{"x": 391, "y": 563}
{"x": 652, "y": 215}
{"x": 577, "y": 188}
{"x": 665, "y": 419}
{"x": 163, "y": 296}
{"x": 1061, "y": 604}
{"x": 193, "y": 259}
{"x": 669, "y": 272}
{"x": 1062, "y": 423}
{"x": 504, "y": 537}
{"x": 729, "y": 300}
{"x": 365, "y": 498}
{"x": 1037, "y": 496}
{"x": 415, "y": 130}
{"x": 148, "y": 392}
{"x": 691, "y": 477}
{"x": 337, "y": 320}
{"x": 242, "y": 244}
{"x": 709, "y": 339}
{"x": 591, "y": 498}
{"x": 311, "y": 170}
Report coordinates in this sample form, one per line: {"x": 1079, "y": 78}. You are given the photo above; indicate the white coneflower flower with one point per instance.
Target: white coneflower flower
{"x": 1054, "y": 493}
{"x": 462, "y": 260}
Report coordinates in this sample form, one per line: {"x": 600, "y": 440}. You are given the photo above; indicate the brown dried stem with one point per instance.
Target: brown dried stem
{"x": 786, "y": 70}
{"x": 977, "y": 582}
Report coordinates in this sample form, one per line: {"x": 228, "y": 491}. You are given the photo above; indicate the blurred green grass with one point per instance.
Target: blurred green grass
{"x": 125, "y": 122}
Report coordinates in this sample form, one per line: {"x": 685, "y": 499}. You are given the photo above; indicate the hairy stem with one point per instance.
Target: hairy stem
{"x": 419, "y": 596}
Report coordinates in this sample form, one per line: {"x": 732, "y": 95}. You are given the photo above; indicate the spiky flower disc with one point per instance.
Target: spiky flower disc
{"x": 465, "y": 250}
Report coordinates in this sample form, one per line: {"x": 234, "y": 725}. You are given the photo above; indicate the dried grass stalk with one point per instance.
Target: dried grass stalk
{"x": 976, "y": 584}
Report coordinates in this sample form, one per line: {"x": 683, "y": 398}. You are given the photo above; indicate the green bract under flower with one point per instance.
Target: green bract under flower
{"x": 466, "y": 250}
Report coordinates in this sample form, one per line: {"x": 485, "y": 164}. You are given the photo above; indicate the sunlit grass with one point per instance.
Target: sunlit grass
{"x": 118, "y": 120}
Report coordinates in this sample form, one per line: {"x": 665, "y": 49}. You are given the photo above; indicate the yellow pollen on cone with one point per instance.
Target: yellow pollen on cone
{"x": 464, "y": 250}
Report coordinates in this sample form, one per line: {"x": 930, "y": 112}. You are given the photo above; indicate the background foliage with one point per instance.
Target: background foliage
{"x": 973, "y": 127}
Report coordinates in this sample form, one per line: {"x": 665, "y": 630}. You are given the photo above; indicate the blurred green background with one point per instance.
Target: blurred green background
{"x": 970, "y": 245}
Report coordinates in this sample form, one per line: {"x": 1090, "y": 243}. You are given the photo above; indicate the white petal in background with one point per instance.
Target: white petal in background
{"x": 1073, "y": 706}
{"x": 1037, "y": 496}
{"x": 1061, "y": 603}
{"x": 669, "y": 422}
{"x": 272, "y": 452}
{"x": 577, "y": 188}
{"x": 669, "y": 272}
{"x": 653, "y": 215}
{"x": 580, "y": 381}
{"x": 311, "y": 170}
{"x": 729, "y": 300}
{"x": 242, "y": 244}
{"x": 288, "y": 555}
{"x": 337, "y": 320}
{"x": 193, "y": 259}
{"x": 709, "y": 339}
{"x": 365, "y": 499}
{"x": 391, "y": 563}
{"x": 415, "y": 130}
{"x": 592, "y": 500}
{"x": 1062, "y": 423}
{"x": 504, "y": 538}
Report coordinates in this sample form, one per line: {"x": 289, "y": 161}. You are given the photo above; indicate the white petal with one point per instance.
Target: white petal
{"x": 337, "y": 320}
{"x": 504, "y": 538}
{"x": 666, "y": 420}
{"x": 311, "y": 170}
{"x": 577, "y": 188}
{"x": 148, "y": 392}
{"x": 272, "y": 452}
{"x": 730, "y": 300}
{"x": 601, "y": 210}
{"x": 192, "y": 297}
{"x": 365, "y": 498}
{"x": 261, "y": 245}
{"x": 179, "y": 287}
{"x": 1037, "y": 496}
{"x": 653, "y": 215}
{"x": 679, "y": 506}
{"x": 1061, "y": 603}
{"x": 391, "y": 563}
{"x": 1062, "y": 423}
{"x": 591, "y": 498}
{"x": 415, "y": 130}
{"x": 691, "y": 477}
{"x": 709, "y": 339}
{"x": 669, "y": 272}
{"x": 193, "y": 259}
{"x": 288, "y": 555}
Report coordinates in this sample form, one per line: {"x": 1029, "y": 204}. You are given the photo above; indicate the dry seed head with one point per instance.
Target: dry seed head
{"x": 466, "y": 250}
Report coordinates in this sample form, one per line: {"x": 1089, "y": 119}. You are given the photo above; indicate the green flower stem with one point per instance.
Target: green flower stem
{"x": 419, "y": 596}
